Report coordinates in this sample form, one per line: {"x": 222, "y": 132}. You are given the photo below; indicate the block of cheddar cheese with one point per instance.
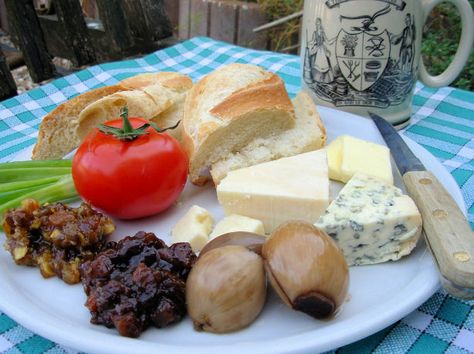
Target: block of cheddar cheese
{"x": 295, "y": 187}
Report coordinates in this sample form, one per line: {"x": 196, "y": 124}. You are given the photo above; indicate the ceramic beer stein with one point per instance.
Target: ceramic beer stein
{"x": 364, "y": 55}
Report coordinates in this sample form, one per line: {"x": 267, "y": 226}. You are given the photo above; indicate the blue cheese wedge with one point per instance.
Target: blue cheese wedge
{"x": 372, "y": 221}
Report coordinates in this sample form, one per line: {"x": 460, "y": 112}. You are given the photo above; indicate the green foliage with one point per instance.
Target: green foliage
{"x": 440, "y": 40}
{"x": 285, "y": 35}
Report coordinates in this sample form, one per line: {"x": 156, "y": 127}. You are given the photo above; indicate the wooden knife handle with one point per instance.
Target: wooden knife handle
{"x": 447, "y": 232}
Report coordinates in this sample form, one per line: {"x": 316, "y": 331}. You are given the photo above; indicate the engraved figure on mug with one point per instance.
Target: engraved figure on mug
{"x": 407, "y": 46}
{"x": 321, "y": 69}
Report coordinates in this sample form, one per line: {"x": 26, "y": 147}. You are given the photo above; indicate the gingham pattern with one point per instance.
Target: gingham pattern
{"x": 443, "y": 122}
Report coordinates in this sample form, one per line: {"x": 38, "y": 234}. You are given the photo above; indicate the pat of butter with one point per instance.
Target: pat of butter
{"x": 194, "y": 227}
{"x": 236, "y": 222}
{"x": 295, "y": 187}
{"x": 334, "y": 151}
{"x": 348, "y": 155}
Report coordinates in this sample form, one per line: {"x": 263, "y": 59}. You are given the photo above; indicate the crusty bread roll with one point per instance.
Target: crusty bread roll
{"x": 57, "y": 133}
{"x": 155, "y": 96}
{"x": 228, "y": 109}
{"x": 308, "y": 134}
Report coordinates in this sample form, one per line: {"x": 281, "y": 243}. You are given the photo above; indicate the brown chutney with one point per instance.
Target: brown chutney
{"x": 137, "y": 282}
{"x": 55, "y": 237}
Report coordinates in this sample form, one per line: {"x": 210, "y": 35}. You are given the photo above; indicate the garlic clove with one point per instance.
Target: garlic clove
{"x": 306, "y": 268}
{"x": 226, "y": 289}
{"x": 249, "y": 240}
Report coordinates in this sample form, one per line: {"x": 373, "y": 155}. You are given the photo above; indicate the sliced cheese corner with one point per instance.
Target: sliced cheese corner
{"x": 372, "y": 221}
{"x": 194, "y": 227}
{"x": 236, "y": 222}
{"x": 295, "y": 187}
{"x": 348, "y": 155}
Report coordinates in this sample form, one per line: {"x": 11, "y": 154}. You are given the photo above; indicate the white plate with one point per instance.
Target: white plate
{"x": 379, "y": 294}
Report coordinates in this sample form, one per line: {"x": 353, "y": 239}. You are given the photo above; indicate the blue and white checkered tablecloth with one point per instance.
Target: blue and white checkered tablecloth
{"x": 443, "y": 123}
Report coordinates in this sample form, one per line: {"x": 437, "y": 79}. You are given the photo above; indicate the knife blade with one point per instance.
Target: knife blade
{"x": 447, "y": 232}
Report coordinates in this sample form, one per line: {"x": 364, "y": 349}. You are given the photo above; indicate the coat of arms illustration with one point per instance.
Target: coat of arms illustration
{"x": 363, "y": 64}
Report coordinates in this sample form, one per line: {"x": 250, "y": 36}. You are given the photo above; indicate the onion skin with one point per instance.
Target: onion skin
{"x": 306, "y": 268}
{"x": 226, "y": 289}
{"x": 250, "y": 240}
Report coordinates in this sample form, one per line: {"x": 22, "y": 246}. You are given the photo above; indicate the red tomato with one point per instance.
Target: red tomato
{"x": 130, "y": 178}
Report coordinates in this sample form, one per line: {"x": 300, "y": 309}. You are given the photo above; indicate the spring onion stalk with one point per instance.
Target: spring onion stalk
{"x": 44, "y": 180}
{"x": 14, "y": 186}
{"x": 63, "y": 189}
{"x": 6, "y": 196}
{"x": 25, "y": 174}
{"x": 35, "y": 164}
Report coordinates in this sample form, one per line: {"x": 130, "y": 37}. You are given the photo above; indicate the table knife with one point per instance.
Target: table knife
{"x": 447, "y": 232}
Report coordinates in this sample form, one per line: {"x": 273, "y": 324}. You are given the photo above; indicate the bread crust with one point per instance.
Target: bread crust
{"x": 302, "y": 95}
{"x": 149, "y": 96}
{"x": 48, "y": 145}
{"x": 168, "y": 79}
{"x": 267, "y": 94}
{"x": 158, "y": 96}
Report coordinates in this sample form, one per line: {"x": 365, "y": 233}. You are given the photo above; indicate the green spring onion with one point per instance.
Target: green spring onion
{"x": 14, "y": 186}
{"x": 46, "y": 181}
{"x": 35, "y": 164}
{"x": 61, "y": 190}
{"x": 25, "y": 174}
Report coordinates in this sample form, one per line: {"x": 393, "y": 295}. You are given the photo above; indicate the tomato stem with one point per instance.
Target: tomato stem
{"x": 127, "y": 127}
{"x": 127, "y": 132}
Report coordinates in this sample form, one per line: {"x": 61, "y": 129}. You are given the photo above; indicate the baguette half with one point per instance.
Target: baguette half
{"x": 308, "y": 134}
{"x": 228, "y": 109}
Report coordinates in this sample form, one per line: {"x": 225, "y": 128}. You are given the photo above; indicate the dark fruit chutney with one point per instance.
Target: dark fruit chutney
{"x": 137, "y": 282}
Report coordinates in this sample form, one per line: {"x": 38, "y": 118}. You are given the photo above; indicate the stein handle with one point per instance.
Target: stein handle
{"x": 464, "y": 47}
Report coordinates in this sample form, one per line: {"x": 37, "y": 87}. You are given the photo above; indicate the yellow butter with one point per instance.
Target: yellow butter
{"x": 348, "y": 155}
{"x": 334, "y": 151}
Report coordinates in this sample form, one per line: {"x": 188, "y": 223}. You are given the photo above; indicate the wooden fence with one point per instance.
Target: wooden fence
{"x": 126, "y": 28}
{"x": 103, "y": 30}
{"x": 229, "y": 21}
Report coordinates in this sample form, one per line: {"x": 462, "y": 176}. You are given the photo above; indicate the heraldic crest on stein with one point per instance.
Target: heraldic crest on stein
{"x": 364, "y": 63}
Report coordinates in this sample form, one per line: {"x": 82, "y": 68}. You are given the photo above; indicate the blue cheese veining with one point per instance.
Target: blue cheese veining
{"x": 372, "y": 221}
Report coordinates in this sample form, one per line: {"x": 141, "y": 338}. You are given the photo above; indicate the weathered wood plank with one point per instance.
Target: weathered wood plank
{"x": 223, "y": 20}
{"x": 89, "y": 7}
{"x": 3, "y": 16}
{"x": 7, "y": 84}
{"x": 52, "y": 31}
{"x": 184, "y": 19}
{"x": 135, "y": 17}
{"x": 251, "y": 17}
{"x": 115, "y": 24}
{"x": 22, "y": 18}
{"x": 199, "y": 18}
{"x": 157, "y": 21}
{"x": 75, "y": 32}
{"x": 172, "y": 9}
